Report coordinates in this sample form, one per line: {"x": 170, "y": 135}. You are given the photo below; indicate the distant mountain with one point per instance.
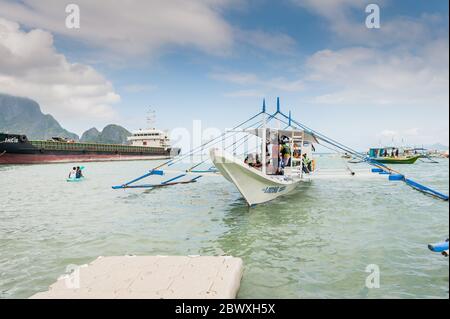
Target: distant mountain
{"x": 111, "y": 134}
{"x": 20, "y": 115}
{"x": 90, "y": 136}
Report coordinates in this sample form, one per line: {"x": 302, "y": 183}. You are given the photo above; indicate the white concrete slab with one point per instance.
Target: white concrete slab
{"x": 151, "y": 277}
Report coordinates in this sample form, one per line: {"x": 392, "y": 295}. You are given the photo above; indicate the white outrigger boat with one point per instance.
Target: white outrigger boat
{"x": 270, "y": 178}
{"x": 279, "y": 172}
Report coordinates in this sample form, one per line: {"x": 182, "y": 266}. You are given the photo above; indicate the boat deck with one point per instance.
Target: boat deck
{"x": 151, "y": 277}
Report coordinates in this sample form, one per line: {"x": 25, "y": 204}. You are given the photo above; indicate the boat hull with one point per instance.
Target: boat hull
{"x": 255, "y": 187}
{"x": 393, "y": 160}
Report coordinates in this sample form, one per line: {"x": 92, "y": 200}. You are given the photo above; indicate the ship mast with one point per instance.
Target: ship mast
{"x": 151, "y": 118}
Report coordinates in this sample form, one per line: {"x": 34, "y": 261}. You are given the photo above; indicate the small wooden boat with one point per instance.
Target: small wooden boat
{"x": 394, "y": 155}
{"x": 75, "y": 180}
{"x": 346, "y": 156}
{"x": 397, "y": 160}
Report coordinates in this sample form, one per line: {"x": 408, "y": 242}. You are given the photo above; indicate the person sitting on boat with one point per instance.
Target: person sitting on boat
{"x": 297, "y": 154}
{"x": 258, "y": 162}
{"x": 250, "y": 160}
{"x": 306, "y": 164}
{"x": 285, "y": 152}
{"x": 73, "y": 173}
{"x": 78, "y": 173}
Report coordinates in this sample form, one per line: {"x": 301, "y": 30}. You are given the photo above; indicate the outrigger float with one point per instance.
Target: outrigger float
{"x": 269, "y": 173}
{"x": 440, "y": 248}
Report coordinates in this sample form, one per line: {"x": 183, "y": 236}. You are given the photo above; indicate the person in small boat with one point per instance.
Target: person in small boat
{"x": 79, "y": 173}
{"x": 73, "y": 173}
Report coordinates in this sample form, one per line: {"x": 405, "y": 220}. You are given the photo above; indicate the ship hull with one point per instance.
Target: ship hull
{"x": 12, "y": 159}
{"x": 398, "y": 160}
{"x": 16, "y": 149}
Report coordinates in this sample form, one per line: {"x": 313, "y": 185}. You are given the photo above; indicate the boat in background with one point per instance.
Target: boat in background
{"x": 145, "y": 144}
{"x": 18, "y": 149}
{"x": 394, "y": 155}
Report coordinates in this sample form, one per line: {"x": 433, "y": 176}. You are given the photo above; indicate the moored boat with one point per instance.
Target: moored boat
{"x": 18, "y": 149}
{"x": 254, "y": 186}
{"x": 277, "y": 175}
{"x": 393, "y": 155}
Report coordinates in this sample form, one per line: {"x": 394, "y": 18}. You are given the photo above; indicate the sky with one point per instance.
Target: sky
{"x": 215, "y": 61}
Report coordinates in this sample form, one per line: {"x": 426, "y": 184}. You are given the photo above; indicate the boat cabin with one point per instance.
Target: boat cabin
{"x": 288, "y": 152}
{"x": 150, "y": 138}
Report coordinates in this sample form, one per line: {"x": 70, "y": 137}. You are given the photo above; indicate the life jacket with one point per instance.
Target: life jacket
{"x": 285, "y": 150}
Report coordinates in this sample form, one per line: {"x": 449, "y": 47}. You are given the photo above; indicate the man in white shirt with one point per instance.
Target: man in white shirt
{"x": 73, "y": 173}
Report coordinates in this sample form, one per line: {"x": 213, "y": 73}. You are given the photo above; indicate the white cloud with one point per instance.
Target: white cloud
{"x": 30, "y": 66}
{"x": 245, "y": 93}
{"x": 132, "y": 26}
{"x": 264, "y": 84}
{"x": 140, "y": 88}
{"x": 411, "y": 136}
{"x": 274, "y": 42}
{"x": 346, "y": 19}
{"x": 236, "y": 77}
{"x": 389, "y": 133}
{"x": 376, "y": 77}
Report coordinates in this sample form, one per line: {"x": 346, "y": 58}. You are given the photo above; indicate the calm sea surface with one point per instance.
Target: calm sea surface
{"x": 313, "y": 243}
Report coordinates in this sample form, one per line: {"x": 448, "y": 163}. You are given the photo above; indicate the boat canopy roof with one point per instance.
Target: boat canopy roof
{"x": 283, "y": 132}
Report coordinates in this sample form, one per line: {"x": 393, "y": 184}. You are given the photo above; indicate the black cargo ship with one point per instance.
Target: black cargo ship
{"x": 18, "y": 149}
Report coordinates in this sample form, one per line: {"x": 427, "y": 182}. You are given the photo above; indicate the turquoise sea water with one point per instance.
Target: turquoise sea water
{"x": 313, "y": 243}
